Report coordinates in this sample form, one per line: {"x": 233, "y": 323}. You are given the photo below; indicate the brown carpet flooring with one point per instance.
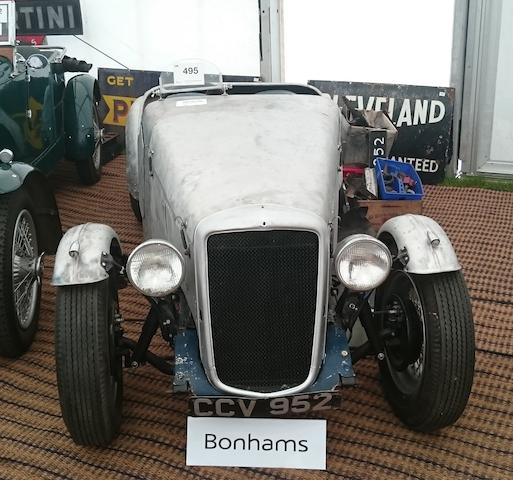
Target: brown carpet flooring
{"x": 365, "y": 440}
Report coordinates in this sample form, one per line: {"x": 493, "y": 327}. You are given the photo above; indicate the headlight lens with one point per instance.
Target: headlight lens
{"x": 156, "y": 268}
{"x": 362, "y": 262}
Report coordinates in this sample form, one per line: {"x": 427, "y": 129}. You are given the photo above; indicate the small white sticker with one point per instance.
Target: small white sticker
{"x": 256, "y": 442}
{"x": 441, "y": 94}
{"x": 189, "y": 73}
{"x": 191, "y": 102}
{"x": 3, "y": 13}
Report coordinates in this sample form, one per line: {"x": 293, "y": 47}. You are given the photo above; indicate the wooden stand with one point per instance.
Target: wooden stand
{"x": 382, "y": 210}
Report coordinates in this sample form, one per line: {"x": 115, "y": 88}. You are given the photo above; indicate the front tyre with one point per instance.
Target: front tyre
{"x": 428, "y": 332}
{"x": 89, "y": 367}
{"x": 20, "y": 273}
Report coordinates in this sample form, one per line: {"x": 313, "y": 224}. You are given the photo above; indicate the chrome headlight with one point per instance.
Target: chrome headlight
{"x": 156, "y": 268}
{"x": 362, "y": 262}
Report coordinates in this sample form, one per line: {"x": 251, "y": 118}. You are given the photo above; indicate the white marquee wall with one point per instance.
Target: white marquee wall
{"x": 383, "y": 41}
{"x": 151, "y": 34}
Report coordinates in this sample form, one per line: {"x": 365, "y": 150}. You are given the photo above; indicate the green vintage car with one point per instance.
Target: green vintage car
{"x": 42, "y": 119}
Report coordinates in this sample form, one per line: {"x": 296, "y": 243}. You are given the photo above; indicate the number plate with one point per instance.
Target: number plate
{"x": 269, "y": 407}
{"x": 378, "y": 144}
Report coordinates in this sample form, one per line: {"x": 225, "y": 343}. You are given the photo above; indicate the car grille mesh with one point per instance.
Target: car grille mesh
{"x": 263, "y": 291}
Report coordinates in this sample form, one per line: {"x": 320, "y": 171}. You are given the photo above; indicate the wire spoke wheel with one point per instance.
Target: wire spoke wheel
{"x": 26, "y": 268}
{"x": 21, "y": 268}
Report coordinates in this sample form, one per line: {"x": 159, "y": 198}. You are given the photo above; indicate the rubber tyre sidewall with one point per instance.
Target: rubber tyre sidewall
{"x": 441, "y": 397}
{"x": 90, "y": 408}
{"x": 14, "y": 340}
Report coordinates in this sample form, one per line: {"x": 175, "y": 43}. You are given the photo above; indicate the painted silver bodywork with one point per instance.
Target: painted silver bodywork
{"x": 78, "y": 259}
{"x": 132, "y": 129}
{"x": 428, "y": 247}
{"x": 236, "y": 162}
{"x": 235, "y": 151}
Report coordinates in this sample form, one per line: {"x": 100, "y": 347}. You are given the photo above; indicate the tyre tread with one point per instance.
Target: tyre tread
{"x": 450, "y": 357}
{"x": 82, "y": 361}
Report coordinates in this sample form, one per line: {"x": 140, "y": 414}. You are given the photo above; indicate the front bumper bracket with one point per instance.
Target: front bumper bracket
{"x": 336, "y": 369}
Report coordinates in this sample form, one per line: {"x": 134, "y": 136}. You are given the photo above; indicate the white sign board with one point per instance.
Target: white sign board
{"x": 256, "y": 442}
{"x": 189, "y": 73}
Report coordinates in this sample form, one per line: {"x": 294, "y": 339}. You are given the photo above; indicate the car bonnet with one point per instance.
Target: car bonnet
{"x": 214, "y": 152}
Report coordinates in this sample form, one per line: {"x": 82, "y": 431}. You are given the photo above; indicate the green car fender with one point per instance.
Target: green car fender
{"x": 16, "y": 175}
{"x": 12, "y": 176}
{"x": 80, "y": 98}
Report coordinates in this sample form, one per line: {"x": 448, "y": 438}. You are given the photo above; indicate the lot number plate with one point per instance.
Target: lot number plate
{"x": 188, "y": 73}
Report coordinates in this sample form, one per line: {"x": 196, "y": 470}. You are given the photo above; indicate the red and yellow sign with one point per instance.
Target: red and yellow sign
{"x": 120, "y": 88}
{"x": 117, "y": 109}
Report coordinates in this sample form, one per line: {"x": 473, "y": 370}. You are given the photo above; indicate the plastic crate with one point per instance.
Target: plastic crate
{"x": 394, "y": 167}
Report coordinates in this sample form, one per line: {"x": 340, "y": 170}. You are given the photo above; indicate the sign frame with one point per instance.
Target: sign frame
{"x": 49, "y": 17}
{"x": 423, "y": 116}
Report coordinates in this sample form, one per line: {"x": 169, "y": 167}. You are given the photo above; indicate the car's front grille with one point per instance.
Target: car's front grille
{"x": 262, "y": 292}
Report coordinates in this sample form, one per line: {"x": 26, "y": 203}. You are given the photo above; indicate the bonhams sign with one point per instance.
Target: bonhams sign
{"x": 48, "y": 17}
{"x": 423, "y": 117}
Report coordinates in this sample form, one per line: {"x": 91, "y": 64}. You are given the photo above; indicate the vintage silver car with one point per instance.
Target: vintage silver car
{"x": 252, "y": 272}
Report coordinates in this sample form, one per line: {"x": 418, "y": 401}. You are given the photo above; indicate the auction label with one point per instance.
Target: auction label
{"x": 188, "y": 73}
{"x": 256, "y": 442}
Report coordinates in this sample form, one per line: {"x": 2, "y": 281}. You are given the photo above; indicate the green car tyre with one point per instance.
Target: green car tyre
{"x": 84, "y": 133}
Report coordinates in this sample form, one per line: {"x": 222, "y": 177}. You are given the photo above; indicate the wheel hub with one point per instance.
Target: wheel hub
{"x": 402, "y": 333}
{"x": 27, "y": 269}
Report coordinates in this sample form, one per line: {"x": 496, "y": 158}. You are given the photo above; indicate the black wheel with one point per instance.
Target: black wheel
{"x": 20, "y": 274}
{"x": 136, "y": 208}
{"x": 90, "y": 169}
{"x": 89, "y": 367}
{"x": 428, "y": 332}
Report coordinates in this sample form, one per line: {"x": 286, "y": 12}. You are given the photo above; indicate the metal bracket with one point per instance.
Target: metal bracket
{"x": 182, "y": 225}
{"x": 402, "y": 257}
{"x": 108, "y": 263}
